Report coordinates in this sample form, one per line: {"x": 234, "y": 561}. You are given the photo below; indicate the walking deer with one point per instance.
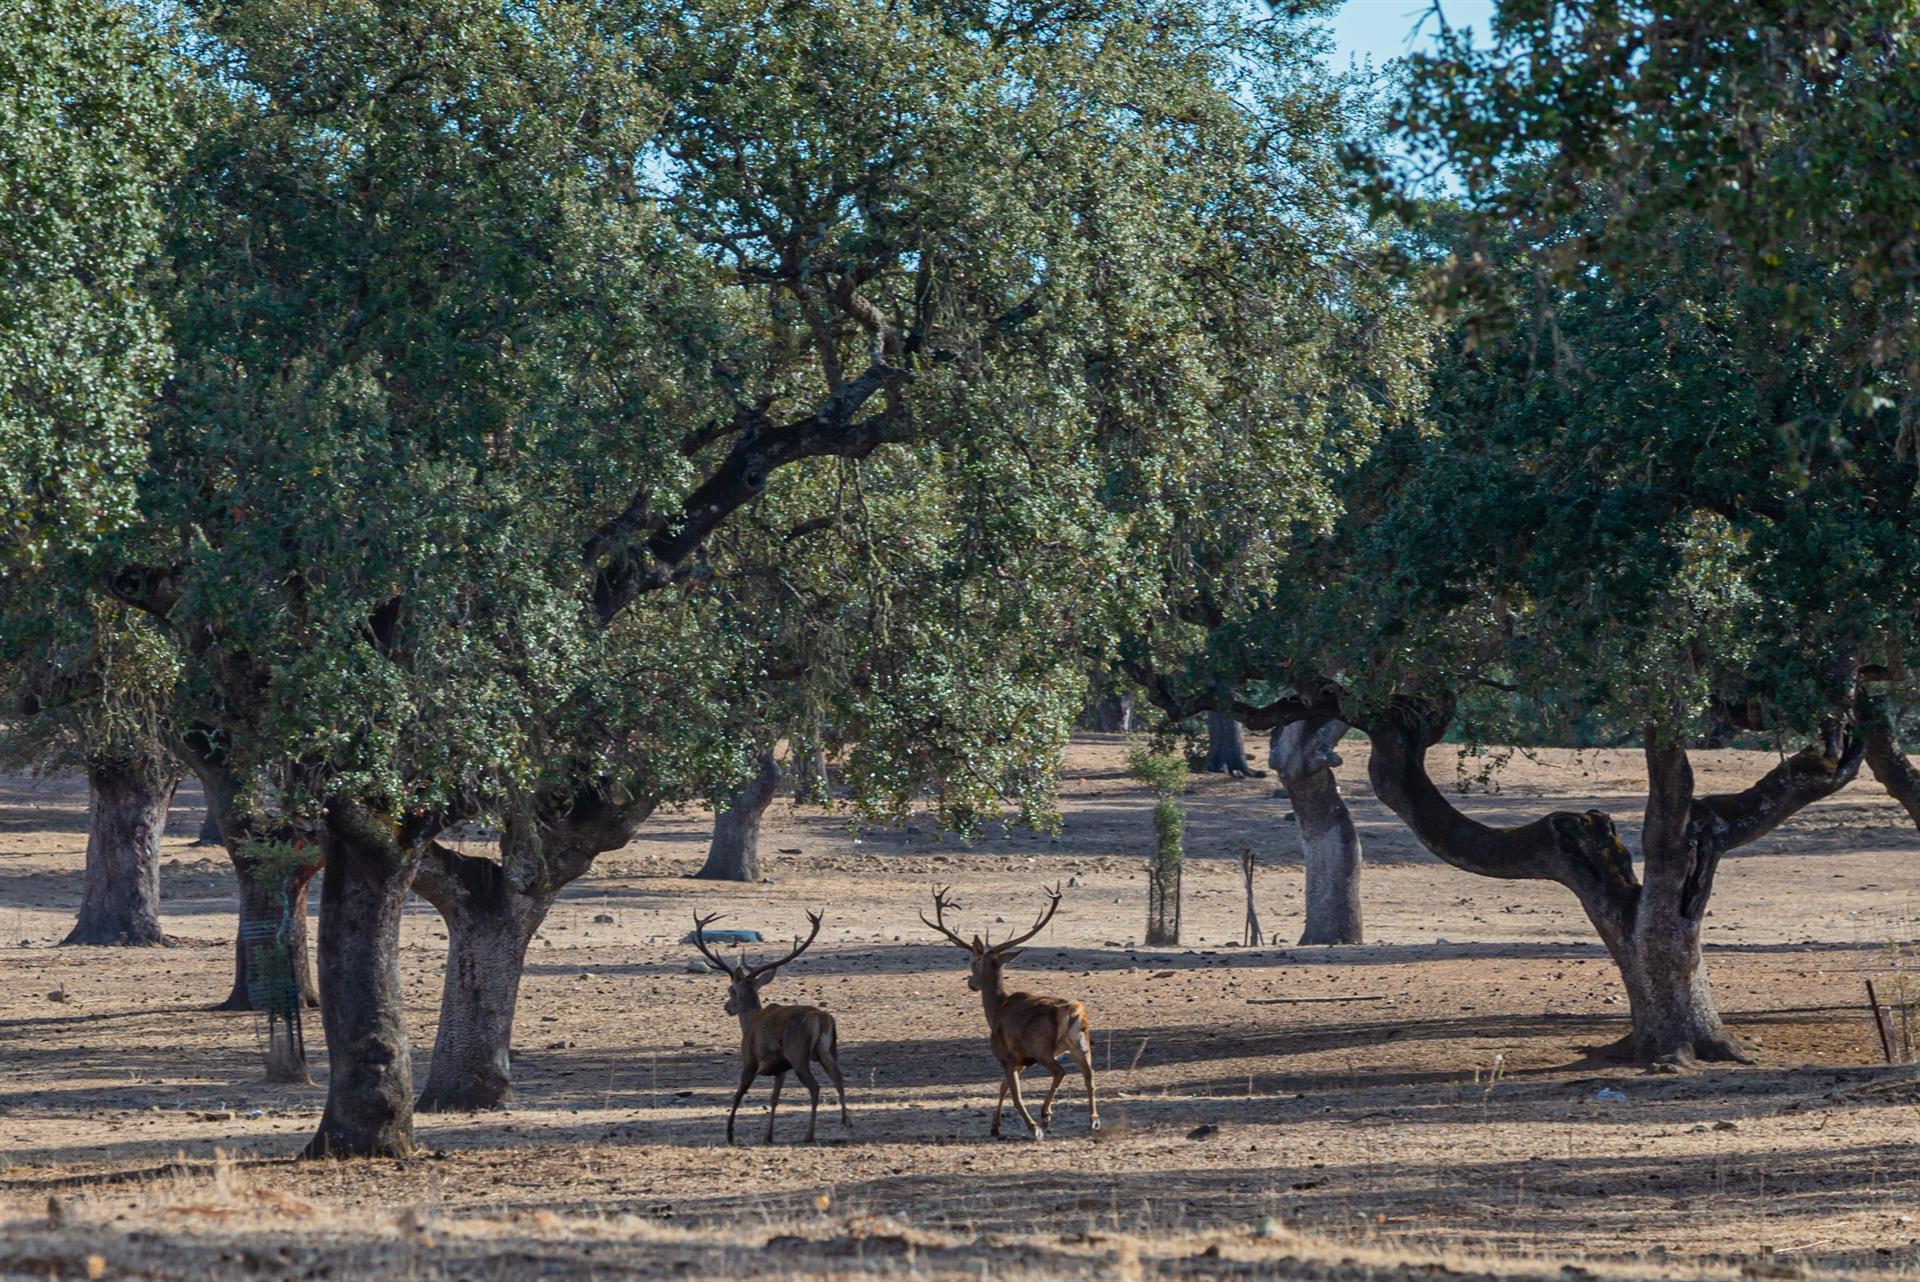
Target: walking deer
{"x": 1026, "y": 1029}
{"x": 777, "y": 1039}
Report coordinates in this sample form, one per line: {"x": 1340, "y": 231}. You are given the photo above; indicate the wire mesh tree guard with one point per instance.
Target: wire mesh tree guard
{"x": 273, "y": 989}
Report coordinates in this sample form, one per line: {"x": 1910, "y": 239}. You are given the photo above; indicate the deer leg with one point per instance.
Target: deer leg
{"x": 779, "y": 1080}
{"x": 1000, "y": 1105}
{"x": 1046, "y": 1107}
{"x": 1020, "y": 1105}
{"x": 1082, "y": 1053}
{"x": 832, "y": 1065}
{"x": 803, "y": 1071}
{"x": 747, "y": 1075}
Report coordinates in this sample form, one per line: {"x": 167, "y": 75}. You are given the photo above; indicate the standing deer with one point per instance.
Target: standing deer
{"x": 1026, "y": 1029}
{"x": 776, "y": 1039}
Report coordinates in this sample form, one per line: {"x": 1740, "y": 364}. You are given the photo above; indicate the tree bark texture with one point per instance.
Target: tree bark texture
{"x": 1652, "y": 931}
{"x": 1226, "y": 746}
{"x": 734, "y": 854}
{"x": 1889, "y": 763}
{"x": 489, "y": 926}
{"x": 493, "y": 910}
{"x": 128, "y": 795}
{"x": 369, "y": 866}
{"x": 1112, "y": 714}
{"x": 1304, "y": 755}
{"x": 262, "y": 899}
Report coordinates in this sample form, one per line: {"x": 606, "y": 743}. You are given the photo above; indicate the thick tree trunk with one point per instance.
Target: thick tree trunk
{"x": 1652, "y": 926}
{"x": 488, "y": 931}
{"x": 1889, "y": 763}
{"x": 1675, "y": 1021}
{"x": 1112, "y": 714}
{"x": 1657, "y": 945}
{"x": 209, "y": 830}
{"x": 363, "y": 888}
{"x": 262, "y": 897}
{"x": 812, "y": 776}
{"x": 1226, "y": 746}
{"x": 734, "y": 854}
{"x": 1304, "y": 756}
{"x": 492, "y": 910}
{"x": 128, "y": 796}
{"x": 262, "y": 902}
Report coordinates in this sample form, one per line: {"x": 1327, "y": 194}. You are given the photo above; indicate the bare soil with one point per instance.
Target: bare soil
{"x": 1428, "y": 1102}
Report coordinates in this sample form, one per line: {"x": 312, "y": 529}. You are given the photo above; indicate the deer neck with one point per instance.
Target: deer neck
{"x": 991, "y": 997}
{"x": 749, "y": 1013}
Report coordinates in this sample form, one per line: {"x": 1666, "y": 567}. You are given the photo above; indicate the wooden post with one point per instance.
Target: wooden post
{"x": 1253, "y": 936}
{"x": 1880, "y": 1022}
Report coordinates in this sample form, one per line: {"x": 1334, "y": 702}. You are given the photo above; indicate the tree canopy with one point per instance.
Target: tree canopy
{"x": 89, "y": 127}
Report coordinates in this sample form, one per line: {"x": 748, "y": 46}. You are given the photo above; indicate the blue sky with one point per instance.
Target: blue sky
{"x": 1379, "y": 29}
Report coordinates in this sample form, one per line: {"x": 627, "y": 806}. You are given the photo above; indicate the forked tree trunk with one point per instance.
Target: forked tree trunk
{"x": 1657, "y": 944}
{"x": 128, "y": 796}
{"x": 1226, "y": 746}
{"x": 492, "y": 910}
{"x": 363, "y": 889}
{"x": 1651, "y": 928}
{"x": 487, "y": 936}
{"x": 1304, "y": 756}
{"x": 262, "y": 902}
{"x": 734, "y": 854}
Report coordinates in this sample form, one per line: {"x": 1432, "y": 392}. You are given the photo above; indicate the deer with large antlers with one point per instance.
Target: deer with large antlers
{"x": 776, "y": 1039}
{"x": 1026, "y": 1029}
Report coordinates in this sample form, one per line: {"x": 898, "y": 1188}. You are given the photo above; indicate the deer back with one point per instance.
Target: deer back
{"x": 1038, "y": 1027}
{"x": 772, "y": 1031}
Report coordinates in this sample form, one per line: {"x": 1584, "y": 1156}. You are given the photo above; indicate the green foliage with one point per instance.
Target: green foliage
{"x": 279, "y": 863}
{"x": 88, "y": 128}
{"x": 559, "y": 410}
{"x": 1667, "y": 467}
{"x": 1787, "y": 129}
{"x": 1164, "y": 773}
{"x": 87, "y": 677}
{"x": 1169, "y": 825}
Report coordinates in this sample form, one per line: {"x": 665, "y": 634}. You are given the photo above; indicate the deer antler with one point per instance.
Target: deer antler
{"x": 940, "y": 905}
{"x": 700, "y": 925}
{"x": 800, "y": 946}
{"x": 1053, "y": 905}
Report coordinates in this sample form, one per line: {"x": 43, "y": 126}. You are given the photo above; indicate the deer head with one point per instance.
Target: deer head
{"x": 745, "y": 979}
{"x": 988, "y": 958}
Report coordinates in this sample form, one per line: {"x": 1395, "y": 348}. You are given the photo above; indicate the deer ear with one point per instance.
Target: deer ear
{"x": 1010, "y": 954}
{"x": 978, "y": 947}
{"x": 765, "y": 979}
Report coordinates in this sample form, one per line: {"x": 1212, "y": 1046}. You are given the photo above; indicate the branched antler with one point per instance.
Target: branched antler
{"x": 800, "y": 946}
{"x": 700, "y": 925}
{"x": 940, "y": 905}
{"x": 1053, "y": 906}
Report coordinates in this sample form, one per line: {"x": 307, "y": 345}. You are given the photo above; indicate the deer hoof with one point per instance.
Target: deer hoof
{"x": 1039, "y": 1133}
{"x": 1096, "y": 1124}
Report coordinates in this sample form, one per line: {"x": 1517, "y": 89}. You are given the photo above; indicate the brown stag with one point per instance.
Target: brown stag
{"x": 1026, "y": 1029}
{"x": 777, "y": 1039}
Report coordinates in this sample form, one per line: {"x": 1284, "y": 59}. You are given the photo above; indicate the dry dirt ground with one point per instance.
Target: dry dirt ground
{"x": 1425, "y": 1104}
